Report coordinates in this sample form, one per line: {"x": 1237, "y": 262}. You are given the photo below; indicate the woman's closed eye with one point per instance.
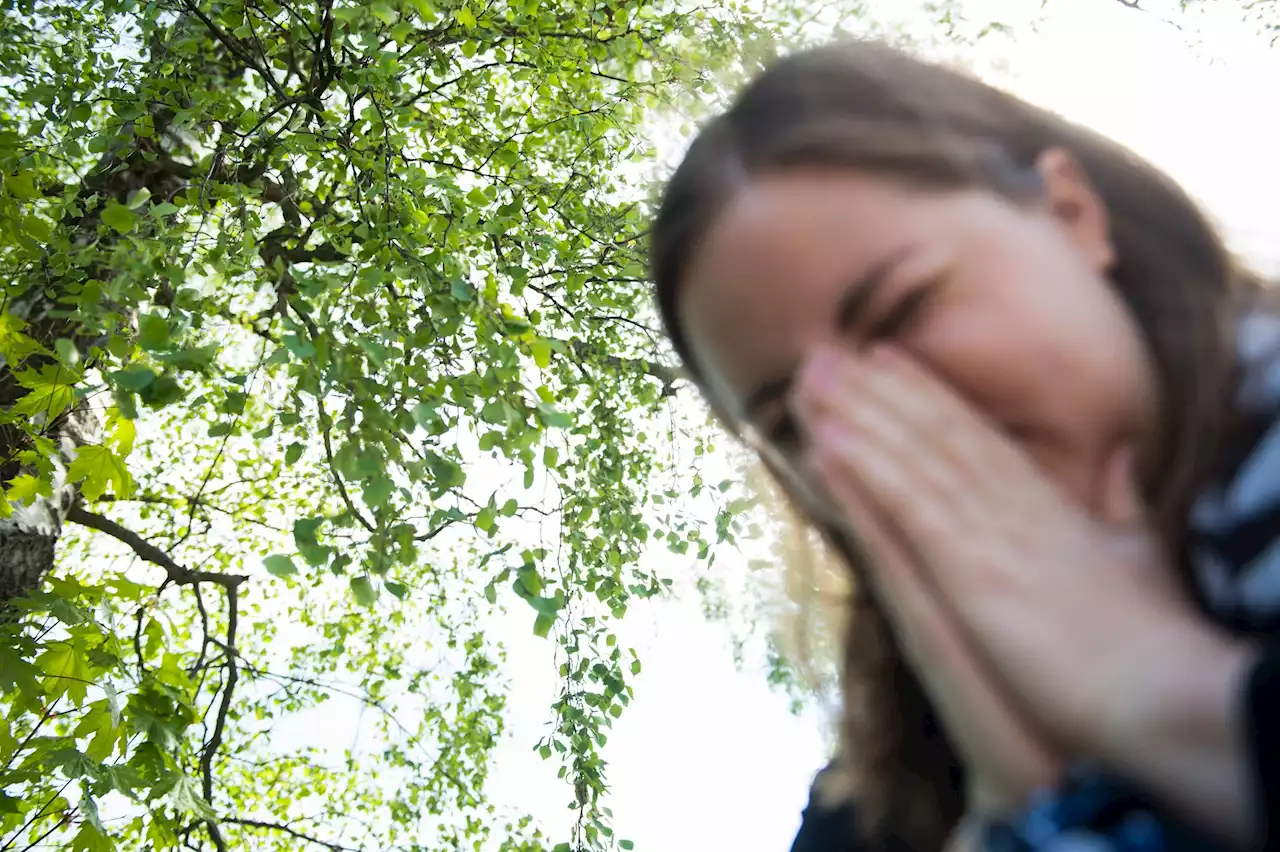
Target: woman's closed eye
{"x": 899, "y": 317}
{"x": 785, "y": 433}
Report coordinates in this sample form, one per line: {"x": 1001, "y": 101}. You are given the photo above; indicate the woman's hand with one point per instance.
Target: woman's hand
{"x": 1076, "y": 613}
{"x": 1006, "y": 756}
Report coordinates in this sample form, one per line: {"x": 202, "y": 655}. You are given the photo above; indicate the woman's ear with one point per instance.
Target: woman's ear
{"x": 1071, "y": 199}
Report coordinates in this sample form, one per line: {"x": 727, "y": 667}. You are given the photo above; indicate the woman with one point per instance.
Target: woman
{"x": 1011, "y": 372}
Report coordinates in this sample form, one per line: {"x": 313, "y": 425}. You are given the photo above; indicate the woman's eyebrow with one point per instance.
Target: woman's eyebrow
{"x": 852, "y": 304}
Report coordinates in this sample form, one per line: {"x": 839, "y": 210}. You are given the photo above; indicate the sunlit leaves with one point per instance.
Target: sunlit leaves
{"x": 100, "y": 471}
{"x": 65, "y": 664}
{"x": 349, "y": 299}
{"x": 50, "y": 392}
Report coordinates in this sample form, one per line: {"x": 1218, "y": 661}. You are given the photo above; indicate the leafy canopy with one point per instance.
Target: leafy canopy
{"x": 325, "y": 338}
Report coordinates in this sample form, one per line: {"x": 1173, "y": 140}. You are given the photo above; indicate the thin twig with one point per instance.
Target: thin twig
{"x": 292, "y": 832}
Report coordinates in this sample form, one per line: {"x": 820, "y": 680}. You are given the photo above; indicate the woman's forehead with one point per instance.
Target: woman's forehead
{"x": 764, "y": 283}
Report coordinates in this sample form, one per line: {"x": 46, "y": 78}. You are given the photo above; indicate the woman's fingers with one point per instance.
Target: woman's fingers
{"x": 1006, "y": 757}
{"x": 1017, "y": 564}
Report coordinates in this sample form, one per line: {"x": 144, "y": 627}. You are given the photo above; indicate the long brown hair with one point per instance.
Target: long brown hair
{"x": 867, "y": 106}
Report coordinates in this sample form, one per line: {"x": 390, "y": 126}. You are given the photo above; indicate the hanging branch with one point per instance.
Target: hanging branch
{"x": 181, "y": 576}
{"x": 215, "y": 739}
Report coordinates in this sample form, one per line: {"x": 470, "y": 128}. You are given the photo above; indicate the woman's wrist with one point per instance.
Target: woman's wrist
{"x": 1178, "y": 730}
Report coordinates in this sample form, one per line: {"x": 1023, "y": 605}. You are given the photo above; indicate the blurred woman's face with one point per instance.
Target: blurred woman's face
{"x": 1008, "y": 303}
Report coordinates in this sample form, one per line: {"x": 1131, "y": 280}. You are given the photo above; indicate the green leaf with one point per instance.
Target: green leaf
{"x": 196, "y": 359}
{"x": 541, "y": 351}
{"x": 67, "y": 352}
{"x": 67, "y": 669}
{"x": 447, "y": 472}
{"x": 377, "y": 490}
{"x": 49, "y": 391}
{"x": 14, "y": 345}
{"x": 397, "y": 589}
{"x": 99, "y": 470}
{"x": 153, "y": 332}
{"x": 528, "y": 581}
{"x": 71, "y": 763}
{"x": 548, "y": 606}
{"x": 293, "y": 453}
{"x": 348, "y": 14}
{"x": 186, "y": 799}
{"x": 301, "y": 347}
{"x": 17, "y": 673}
{"x": 552, "y": 418}
{"x": 315, "y": 555}
{"x": 461, "y": 290}
{"x": 134, "y": 377}
{"x": 90, "y": 839}
{"x": 542, "y": 625}
{"x": 363, "y": 589}
{"x": 235, "y": 402}
{"x": 24, "y": 488}
{"x": 280, "y": 566}
{"x": 305, "y": 529}
{"x": 495, "y": 413}
{"x": 424, "y": 414}
{"x": 119, "y": 217}
{"x": 165, "y": 390}
{"x": 626, "y": 845}
{"x": 161, "y": 210}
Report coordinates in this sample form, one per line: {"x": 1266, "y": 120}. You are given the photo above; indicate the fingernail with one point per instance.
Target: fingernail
{"x": 827, "y": 358}
{"x": 821, "y": 369}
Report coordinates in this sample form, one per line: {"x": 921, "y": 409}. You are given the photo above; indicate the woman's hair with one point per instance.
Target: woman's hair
{"x": 869, "y": 107}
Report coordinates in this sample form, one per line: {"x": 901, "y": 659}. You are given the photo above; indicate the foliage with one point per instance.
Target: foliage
{"x": 346, "y": 305}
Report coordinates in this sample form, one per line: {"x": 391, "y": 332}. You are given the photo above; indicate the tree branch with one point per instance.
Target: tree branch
{"x": 219, "y": 725}
{"x": 284, "y": 829}
{"x": 178, "y": 575}
{"x": 237, "y": 50}
{"x": 668, "y": 376}
{"x": 175, "y": 573}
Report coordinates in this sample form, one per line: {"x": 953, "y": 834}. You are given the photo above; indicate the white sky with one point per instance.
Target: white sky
{"x": 709, "y": 758}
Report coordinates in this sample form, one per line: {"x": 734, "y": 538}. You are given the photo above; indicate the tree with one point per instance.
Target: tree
{"x": 325, "y": 333}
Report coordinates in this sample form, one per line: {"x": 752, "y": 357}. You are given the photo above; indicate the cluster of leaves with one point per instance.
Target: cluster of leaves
{"x": 345, "y": 302}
